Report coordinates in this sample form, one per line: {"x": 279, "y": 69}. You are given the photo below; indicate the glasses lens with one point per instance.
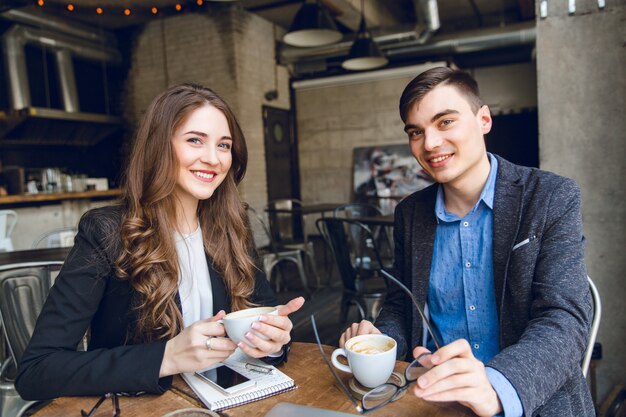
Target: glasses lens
{"x": 379, "y": 395}
{"x": 413, "y": 371}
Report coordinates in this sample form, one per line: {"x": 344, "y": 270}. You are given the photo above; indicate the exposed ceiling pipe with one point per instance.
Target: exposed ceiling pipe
{"x": 408, "y": 44}
{"x": 428, "y": 17}
{"x": 47, "y": 21}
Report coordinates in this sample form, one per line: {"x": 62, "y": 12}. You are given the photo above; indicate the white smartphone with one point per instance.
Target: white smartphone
{"x": 226, "y": 380}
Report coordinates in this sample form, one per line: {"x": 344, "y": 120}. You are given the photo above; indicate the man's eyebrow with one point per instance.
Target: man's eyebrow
{"x": 432, "y": 119}
{"x": 409, "y": 126}
{"x": 443, "y": 113}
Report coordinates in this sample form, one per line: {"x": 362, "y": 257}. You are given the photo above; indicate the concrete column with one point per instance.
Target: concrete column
{"x": 582, "y": 125}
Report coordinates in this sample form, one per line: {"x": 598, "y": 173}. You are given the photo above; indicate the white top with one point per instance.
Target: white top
{"x": 194, "y": 282}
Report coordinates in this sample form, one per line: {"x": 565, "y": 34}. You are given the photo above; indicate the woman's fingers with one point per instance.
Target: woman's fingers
{"x": 291, "y": 306}
{"x": 220, "y": 344}
{"x": 273, "y": 333}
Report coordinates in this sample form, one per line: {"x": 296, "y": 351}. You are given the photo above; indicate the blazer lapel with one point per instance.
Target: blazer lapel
{"x": 221, "y": 300}
{"x": 423, "y": 229}
{"x": 507, "y": 210}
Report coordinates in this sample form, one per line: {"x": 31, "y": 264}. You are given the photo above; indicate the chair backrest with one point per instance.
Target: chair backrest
{"x": 56, "y": 238}
{"x": 8, "y": 220}
{"x": 23, "y": 290}
{"x": 595, "y": 324}
{"x": 286, "y": 220}
{"x": 352, "y": 256}
{"x": 260, "y": 230}
{"x": 352, "y": 210}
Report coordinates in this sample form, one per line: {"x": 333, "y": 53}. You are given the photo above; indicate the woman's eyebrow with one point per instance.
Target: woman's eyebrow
{"x": 195, "y": 132}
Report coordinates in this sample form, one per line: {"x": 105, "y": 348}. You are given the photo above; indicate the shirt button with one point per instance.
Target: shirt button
{"x": 468, "y": 264}
{"x": 472, "y": 308}
{"x": 465, "y": 224}
{"x": 476, "y": 346}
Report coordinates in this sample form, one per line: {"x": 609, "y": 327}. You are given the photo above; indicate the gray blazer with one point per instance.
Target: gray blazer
{"x": 543, "y": 298}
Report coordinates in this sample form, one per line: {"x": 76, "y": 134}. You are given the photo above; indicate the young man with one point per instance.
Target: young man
{"x": 496, "y": 252}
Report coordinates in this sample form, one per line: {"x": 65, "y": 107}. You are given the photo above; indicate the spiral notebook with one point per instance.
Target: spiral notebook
{"x": 266, "y": 384}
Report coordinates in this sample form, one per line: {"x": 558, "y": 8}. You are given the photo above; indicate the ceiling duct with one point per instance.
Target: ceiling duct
{"x": 407, "y": 44}
{"x": 25, "y": 124}
{"x": 427, "y": 13}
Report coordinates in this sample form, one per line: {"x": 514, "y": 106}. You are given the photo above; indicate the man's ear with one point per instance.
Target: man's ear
{"x": 484, "y": 117}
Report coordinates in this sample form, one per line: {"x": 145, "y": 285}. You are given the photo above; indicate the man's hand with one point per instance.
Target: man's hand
{"x": 456, "y": 375}
{"x": 356, "y": 329}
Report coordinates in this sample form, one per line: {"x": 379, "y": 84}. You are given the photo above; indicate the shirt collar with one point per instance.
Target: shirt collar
{"x": 486, "y": 196}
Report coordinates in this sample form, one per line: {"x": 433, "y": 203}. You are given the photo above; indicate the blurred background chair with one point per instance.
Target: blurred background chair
{"x": 23, "y": 290}
{"x": 271, "y": 256}
{"x": 8, "y": 220}
{"x": 56, "y": 238}
{"x": 358, "y": 262}
{"x": 288, "y": 229}
{"x": 383, "y": 235}
{"x": 587, "y": 364}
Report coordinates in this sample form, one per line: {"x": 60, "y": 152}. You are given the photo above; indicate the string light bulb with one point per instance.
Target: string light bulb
{"x": 127, "y": 12}
{"x": 154, "y": 10}
{"x": 178, "y": 7}
{"x": 70, "y": 7}
{"x": 40, "y": 3}
{"x": 99, "y": 10}
{"x": 199, "y": 2}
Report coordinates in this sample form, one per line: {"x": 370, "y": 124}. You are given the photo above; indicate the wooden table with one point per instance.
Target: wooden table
{"x": 316, "y": 387}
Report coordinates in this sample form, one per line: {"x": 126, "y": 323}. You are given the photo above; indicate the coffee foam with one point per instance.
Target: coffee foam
{"x": 371, "y": 346}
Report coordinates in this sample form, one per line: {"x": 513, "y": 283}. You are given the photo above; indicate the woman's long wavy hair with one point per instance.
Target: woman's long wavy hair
{"x": 148, "y": 257}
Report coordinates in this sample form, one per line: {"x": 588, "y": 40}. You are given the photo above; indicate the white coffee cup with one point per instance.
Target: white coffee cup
{"x": 371, "y": 358}
{"x": 238, "y": 323}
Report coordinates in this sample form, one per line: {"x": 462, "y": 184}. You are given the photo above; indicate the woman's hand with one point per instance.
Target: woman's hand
{"x": 191, "y": 350}
{"x": 275, "y": 327}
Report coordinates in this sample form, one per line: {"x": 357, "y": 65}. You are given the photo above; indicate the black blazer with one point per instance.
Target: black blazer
{"x": 542, "y": 293}
{"x": 87, "y": 294}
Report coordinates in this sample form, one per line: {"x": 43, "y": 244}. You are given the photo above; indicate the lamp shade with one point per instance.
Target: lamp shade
{"x": 364, "y": 53}
{"x": 312, "y": 26}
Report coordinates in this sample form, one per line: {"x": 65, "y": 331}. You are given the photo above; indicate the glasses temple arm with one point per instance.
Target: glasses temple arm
{"x": 341, "y": 384}
{"x": 419, "y": 310}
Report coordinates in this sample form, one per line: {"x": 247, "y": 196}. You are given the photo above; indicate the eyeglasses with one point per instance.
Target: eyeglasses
{"x": 116, "y": 405}
{"x": 114, "y": 400}
{"x": 381, "y": 395}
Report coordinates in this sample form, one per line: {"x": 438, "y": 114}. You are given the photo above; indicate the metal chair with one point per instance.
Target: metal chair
{"x": 383, "y": 235}
{"x": 56, "y": 238}
{"x": 288, "y": 229}
{"x": 362, "y": 286}
{"x": 272, "y": 256}
{"x": 23, "y": 290}
{"x": 8, "y": 220}
{"x": 595, "y": 324}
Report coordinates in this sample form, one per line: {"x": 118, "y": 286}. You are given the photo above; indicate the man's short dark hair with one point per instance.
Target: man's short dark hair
{"x": 424, "y": 83}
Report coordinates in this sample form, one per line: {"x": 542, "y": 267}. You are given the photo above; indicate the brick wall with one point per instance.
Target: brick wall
{"x": 226, "y": 49}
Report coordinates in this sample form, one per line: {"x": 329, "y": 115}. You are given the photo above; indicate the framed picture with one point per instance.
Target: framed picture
{"x": 387, "y": 171}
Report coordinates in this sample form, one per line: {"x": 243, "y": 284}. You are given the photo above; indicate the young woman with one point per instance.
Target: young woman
{"x": 151, "y": 277}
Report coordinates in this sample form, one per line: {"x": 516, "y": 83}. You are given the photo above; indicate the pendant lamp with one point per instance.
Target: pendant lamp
{"x": 312, "y": 26}
{"x": 364, "y": 53}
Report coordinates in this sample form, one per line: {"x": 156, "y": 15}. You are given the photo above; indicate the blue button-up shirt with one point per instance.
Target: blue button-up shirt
{"x": 461, "y": 296}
